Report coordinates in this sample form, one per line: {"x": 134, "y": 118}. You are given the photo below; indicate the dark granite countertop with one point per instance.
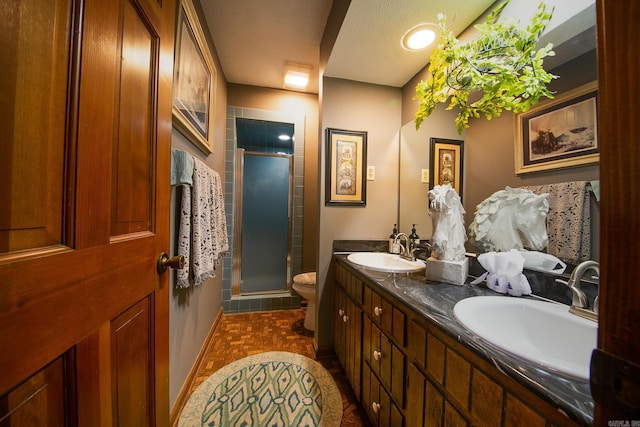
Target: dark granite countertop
{"x": 435, "y": 301}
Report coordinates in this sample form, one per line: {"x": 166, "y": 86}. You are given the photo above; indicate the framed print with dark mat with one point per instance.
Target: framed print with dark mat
{"x": 346, "y": 160}
{"x": 446, "y": 163}
{"x": 559, "y": 133}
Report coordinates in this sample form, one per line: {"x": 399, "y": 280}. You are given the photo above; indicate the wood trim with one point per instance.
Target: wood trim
{"x": 322, "y": 353}
{"x": 618, "y": 62}
{"x": 185, "y": 391}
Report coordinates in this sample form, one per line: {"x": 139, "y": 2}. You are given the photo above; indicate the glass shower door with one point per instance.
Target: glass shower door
{"x": 266, "y": 214}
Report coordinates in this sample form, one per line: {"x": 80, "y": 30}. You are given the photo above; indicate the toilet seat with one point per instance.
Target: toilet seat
{"x": 307, "y": 279}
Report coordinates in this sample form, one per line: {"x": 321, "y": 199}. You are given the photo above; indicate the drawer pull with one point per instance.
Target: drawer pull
{"x": 345, "y": 318}
{"x": 377, "y": 355}
{"x": 377, "y": 311}
{"x": 341, "y": 312}
{"x": 375, "y": 407}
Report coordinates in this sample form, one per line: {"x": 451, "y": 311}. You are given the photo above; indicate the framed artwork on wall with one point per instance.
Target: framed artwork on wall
{"x": 559, "y": 133}
{"x": 446, "y": 163}
{"x": 346, "y": 160}
{"x": 194, "y": 81}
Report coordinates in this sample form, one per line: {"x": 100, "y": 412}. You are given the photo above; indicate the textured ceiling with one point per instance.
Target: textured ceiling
{"x": 255, "y": 39}
{"x": 369, "y": 48}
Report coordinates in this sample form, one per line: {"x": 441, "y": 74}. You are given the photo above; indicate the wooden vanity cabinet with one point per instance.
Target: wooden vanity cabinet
{"x": 348, "y": 325}
{"x": 408, "y": 372}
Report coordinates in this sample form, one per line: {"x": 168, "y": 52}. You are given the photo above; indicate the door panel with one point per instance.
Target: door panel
{"x": 36, "y": 36}
{"x": 101, "y": 126}
{"x": 38, "y": 401}
{"x": 130, "y": 343}
{"x": 133, "y": 150}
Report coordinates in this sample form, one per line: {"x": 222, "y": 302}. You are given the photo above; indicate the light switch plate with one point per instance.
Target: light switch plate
{"x": 371, "y": 173}
{"x": 424, "y": 176}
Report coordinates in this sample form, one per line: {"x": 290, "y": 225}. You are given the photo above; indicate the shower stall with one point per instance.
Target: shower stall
{"x": 263, "y": 208}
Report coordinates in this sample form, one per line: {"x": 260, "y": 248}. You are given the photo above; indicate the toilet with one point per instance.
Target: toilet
{"x": 305, "y": 285}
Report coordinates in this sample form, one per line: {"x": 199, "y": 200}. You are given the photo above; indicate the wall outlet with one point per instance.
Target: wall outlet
{"x": 424, "y": 176}
{"x": 371, "y": 173}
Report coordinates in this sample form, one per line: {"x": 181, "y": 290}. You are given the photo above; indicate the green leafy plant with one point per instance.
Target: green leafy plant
{"x": 501, "y": 66}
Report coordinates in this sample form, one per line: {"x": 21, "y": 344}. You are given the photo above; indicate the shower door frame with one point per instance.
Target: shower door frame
{"x": 236, "y": 281}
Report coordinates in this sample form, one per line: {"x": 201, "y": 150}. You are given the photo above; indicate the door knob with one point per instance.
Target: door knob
{"x": 165, "y": 262}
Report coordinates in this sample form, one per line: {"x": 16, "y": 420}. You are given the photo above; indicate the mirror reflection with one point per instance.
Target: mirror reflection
{"x": 490, "y": 161}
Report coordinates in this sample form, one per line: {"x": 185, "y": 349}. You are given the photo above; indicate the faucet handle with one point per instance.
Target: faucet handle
{"x": 578, "y": 298}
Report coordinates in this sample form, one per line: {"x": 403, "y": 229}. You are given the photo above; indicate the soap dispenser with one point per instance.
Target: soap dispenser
{"x": 414, "y": 238}
{"x": 394, "y": 249}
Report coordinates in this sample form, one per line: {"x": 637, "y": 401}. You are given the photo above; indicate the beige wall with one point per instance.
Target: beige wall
{"x": 359, "y": 107}
{"x": 296, "y": 103}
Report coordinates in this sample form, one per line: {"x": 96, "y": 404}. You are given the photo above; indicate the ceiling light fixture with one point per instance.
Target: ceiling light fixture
{"x": 296, "y": 76}
{"x": 419, "y": 37}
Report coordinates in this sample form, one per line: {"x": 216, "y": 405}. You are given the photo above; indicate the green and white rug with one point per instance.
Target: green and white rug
{"x": 273, "y": 389}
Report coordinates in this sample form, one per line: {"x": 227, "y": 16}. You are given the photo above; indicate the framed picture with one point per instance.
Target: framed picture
{"x": 559, "y": 133}
{"x": 194, "y": 81}
{"x": 346, "y": 165}
{"x": 446, "y": 163}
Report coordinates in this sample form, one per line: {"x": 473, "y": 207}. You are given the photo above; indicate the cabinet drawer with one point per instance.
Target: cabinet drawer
{"x": 385, "y": 359}
{"x": 353, "y": 286}
{"x": 390, "y": 319}
{"x": 376, "y": 401}
{"x": 417, "y": 343}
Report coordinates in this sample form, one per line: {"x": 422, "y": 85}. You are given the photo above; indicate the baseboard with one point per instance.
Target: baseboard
{"x": 322, "y": 353}
{"x": 183, "y": 396}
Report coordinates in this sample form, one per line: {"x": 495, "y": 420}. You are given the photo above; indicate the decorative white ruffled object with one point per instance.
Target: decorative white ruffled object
{"x": 507, "y": 217}
{"x": 504, "y": 273}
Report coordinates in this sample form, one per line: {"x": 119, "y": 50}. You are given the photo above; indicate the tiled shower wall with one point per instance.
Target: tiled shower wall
{"x": 238, "y": 304}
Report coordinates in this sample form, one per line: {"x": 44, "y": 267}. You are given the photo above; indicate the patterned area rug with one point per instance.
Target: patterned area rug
{"x": 277, "y": 388}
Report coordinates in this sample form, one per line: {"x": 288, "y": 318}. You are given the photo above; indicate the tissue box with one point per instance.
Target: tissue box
{"x": 454, "y": 272}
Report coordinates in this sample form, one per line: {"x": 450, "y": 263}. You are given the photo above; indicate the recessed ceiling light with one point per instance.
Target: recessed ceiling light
{"x": 296, "y": 79}
{"x": 419, "y": 37}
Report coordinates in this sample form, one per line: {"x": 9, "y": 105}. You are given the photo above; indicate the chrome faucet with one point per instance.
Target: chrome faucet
{"x": 405, "y": 250}
{"x": 409, "y": 249}
{"x": 579, "y": 304}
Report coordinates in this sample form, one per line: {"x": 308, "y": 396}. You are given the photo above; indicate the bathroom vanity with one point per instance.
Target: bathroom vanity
{"x": 411, "y": 363}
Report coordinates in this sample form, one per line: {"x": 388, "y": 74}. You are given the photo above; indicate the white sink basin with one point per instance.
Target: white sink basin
{"x": 383, "y": 261}
{"x": 543, "y": 333}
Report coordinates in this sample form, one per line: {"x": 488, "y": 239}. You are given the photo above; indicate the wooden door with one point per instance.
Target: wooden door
{"x": 85, "y": 132}
{"x": 616, "y": 383}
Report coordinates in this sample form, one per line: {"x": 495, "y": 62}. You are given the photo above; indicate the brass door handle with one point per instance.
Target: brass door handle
{"x": 165, "y": 262}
